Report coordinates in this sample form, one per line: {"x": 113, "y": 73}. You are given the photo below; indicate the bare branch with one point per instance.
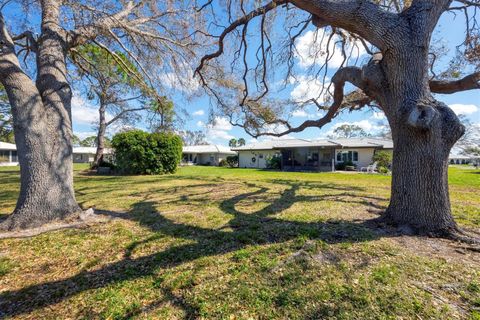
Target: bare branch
{"x": 343, "y": 75}
{"x": 469, "y": 82}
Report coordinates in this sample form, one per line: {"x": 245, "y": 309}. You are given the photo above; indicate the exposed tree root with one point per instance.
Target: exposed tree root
{"x": 469, "y": 240}
{"x": 82, "y": 220}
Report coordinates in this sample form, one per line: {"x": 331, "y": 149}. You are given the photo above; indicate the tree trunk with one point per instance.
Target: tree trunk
{"x": 424, "y": 131}
{"x": 419, "y": 196}
{"x": 423, "y": 135}
{"x": 43, "y": 130}
{"x": 102, "y": 128}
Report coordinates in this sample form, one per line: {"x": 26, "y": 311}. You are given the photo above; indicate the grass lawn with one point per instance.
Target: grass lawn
{"x": 218, "y": 243}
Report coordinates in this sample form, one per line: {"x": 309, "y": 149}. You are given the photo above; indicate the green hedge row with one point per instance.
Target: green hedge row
{"x": 139, "y": 152}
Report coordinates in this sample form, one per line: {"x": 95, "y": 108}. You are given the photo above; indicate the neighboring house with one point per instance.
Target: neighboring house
{"x": 312, "y": 155}
{"x": 8, "y": 154}
{"x": 209, "y": 155}
{"x": 87, "y": 154}
{"x": 463, "y": 159}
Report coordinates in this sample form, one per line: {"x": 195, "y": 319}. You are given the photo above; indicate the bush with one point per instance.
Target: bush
{"x": 383, "y": 159}
{"x": 139, "y": 152}
{"x": 232, "y": 161}
{"x": 223, "y": 163}
{"x": 383, "y": 170}
{"x": 344, "y": 165}
{"x": 274, "y": 162}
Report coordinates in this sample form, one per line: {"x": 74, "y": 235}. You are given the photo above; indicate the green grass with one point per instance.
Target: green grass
{"x": 218, "y": 243}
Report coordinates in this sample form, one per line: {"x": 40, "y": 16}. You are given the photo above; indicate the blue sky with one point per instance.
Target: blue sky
{"x": 450, "y": 31}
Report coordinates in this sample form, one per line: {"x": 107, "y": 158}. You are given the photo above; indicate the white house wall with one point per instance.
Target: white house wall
{"x": 245, "y": 158}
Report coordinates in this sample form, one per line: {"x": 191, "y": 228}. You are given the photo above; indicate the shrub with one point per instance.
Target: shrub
{"x": 383, "y": 170}
{"x": 274, "y": 162}
{"x": 223, "y": 163}
{"x": 382, "y": 158}
{"x": 344, "y": 165}
{"x": 139, "y": 152}
{"x": 106, "y": 164}
{"x": 232, "y": 161}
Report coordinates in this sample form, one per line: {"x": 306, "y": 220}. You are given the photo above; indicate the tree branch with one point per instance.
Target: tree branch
{"x": 239, "y": 22}
{"x": 362, "y": 17}
{"x": 343, "y": 75}
{"x": 122, "y": 113}
{"x": 469, "y": 82}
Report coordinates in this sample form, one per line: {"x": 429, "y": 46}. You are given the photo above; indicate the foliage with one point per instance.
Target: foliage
{"x": 223, "y": 163}
{"x": 139, "y": 152}
{"x": 474, "y": 151}
{"x": 6, "y": 128}
{"x": 274, "y": 162}
{"x": 344, "y": 165}
{"x": 382, "y": 169}
{"x": 383, "y": 158}
{"x": 348, "y": 131}
{"x": 232, "y": 143}
{"x": 193, "y": 138}
{"x": 164, "y": 111}
{"x": 232, "y": 161}
{"x": 91, "y": 142}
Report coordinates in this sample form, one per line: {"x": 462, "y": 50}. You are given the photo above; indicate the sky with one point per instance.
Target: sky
{"x": 466, "y": 103}
{"x": 450, "y": 31}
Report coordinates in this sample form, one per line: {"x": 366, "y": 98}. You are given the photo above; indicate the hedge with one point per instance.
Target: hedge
{"x": 139, "y": 152}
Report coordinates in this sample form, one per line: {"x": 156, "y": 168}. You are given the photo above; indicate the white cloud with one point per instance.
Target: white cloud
{"x": 200, "y": 112}
{"x": 308, "y": 87}
{"x": 186, "y": 82}
{"x": 84, "y": 112}
{"x": 378, "y": 115}
{"x": 464, "y": 109}
{"x": 299, "y": 114}
{"x": 219, "y": 129}
{"x": 312, "y": 49}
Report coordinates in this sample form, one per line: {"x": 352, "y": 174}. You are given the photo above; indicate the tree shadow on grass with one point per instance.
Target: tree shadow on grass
{"x": 257, "y": 228}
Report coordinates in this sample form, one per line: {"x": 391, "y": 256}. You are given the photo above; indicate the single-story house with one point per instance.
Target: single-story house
{"x": 312, "y": 155}
{"x": 463, "y": 159}
{"x": 8, "y": 154}
{"x": 87, "y": 154}
{"x": 209, "y": 155}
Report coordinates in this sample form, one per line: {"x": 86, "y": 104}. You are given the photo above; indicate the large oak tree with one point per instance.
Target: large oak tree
{"x": 261, "y": 41}
{"x": 153, "y": 35}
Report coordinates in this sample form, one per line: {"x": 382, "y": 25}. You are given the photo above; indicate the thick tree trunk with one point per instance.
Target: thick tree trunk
{"x": 419, "y": 197}
{"x": 424, "y": 131}
{"x": 102, "y": 128}
{"x": 43, "y": 131}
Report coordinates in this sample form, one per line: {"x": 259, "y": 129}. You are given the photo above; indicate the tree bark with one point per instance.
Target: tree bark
{"x": 423, "y": 130}
{"x": 43, "y": 130}
{"x": 419, "y": 191}
{"x": 102, "y": 128}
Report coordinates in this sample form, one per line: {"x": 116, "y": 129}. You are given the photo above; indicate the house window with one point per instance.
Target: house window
{"x": 344, "y": 156}
{"x": 260, "y": 156}
{"x": 4, "y": 156}
{"x": 14, "y": 156}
